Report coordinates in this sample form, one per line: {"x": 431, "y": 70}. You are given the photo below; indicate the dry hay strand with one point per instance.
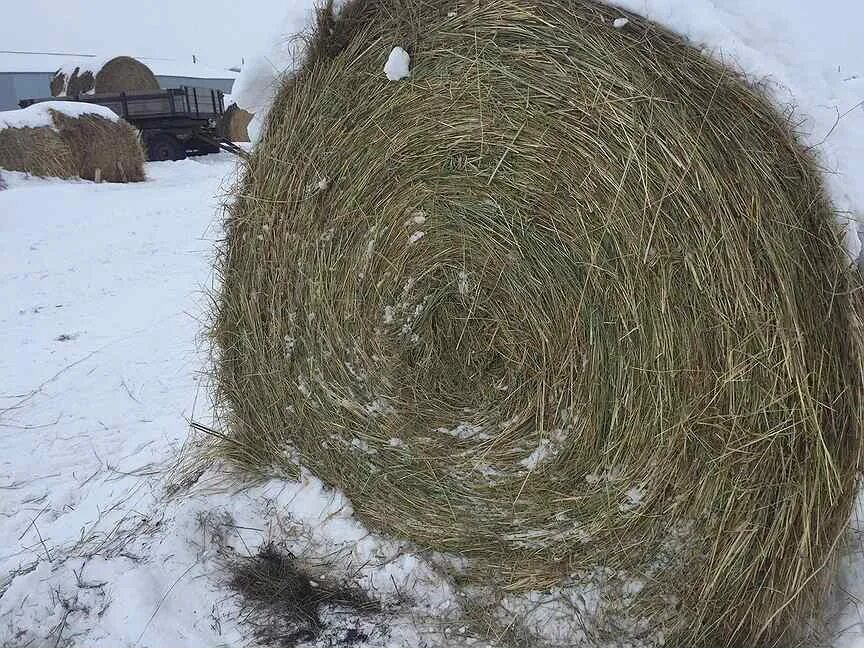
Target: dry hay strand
{"x": 38, "y": 151}
{"x": 98, "y": 143}
{"x": 235, "y": 124}
{"x": 283, "y": 600}
{"x": 124, "y": 74}
{"x": 569, "y": 297}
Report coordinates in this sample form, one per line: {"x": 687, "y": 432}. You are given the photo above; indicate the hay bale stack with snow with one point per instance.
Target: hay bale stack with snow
{"x": 67, "y": 139}
{"x": 100, "y": 76}
{"x": 566, "y": 296}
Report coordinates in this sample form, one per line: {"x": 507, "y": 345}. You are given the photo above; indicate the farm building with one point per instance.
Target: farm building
{"x": 26, "y": 75}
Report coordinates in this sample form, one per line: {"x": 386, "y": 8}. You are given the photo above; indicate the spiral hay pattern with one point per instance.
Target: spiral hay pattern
{"x": 570, "y": 296}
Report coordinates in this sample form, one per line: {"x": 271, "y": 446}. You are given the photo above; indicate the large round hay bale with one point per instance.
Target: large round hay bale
{"x": 112, "y": 147}
{"x": 571, "y": 297}
{"x": 38, "y": 151}
{"x": 235, "y": 124}
{"x": 124, "y": 74}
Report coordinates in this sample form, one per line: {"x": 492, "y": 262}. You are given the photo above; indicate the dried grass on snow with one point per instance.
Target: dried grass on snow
{"x": 119, "y": 74}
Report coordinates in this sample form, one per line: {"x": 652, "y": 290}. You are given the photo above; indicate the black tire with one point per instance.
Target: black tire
{"x": 164, "y": 147}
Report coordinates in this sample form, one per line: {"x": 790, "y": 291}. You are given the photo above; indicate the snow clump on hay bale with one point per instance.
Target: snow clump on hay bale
{"x": 570, "y": 297}
{"x": 66, "y": 139}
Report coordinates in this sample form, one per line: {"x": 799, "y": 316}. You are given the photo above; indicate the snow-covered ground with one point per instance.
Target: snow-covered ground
{"x": 101, "y": 302}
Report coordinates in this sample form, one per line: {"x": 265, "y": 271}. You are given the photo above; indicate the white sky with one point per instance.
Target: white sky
{"x": 219, "y": 32}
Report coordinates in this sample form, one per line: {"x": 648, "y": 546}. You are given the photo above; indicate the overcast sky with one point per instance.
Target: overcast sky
{"x": 220, "y": 32}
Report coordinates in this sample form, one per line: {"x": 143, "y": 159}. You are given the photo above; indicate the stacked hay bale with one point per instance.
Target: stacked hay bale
{"x": 64, "y": 140}
{"x": 39, "y": 151}
{"x": 235, "y": 124}
{"x": 570, "y": 297}
{"x": 119, "y": 74}
{"x": 102, "y": 148}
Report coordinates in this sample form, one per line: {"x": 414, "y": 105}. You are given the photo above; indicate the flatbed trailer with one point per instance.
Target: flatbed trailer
{"x": 174, "y": 123}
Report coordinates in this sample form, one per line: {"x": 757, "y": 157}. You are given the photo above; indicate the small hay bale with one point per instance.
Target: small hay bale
{"x": 59, "y": 83}
{"x": 38, "y": 151}
{"x": 70, "y": 81}
{"x": 124, "y": 74}
{"x": 570, "y": 297}
{"x": 235, "y": 124}
{"x": 99, "y": 143}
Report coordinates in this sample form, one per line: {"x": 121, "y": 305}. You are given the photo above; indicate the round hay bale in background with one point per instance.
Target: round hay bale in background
{"x": 38, "y": 151}
{"x": 570, "y": 297}
{"x": 119, "y": 74}
{"x": 79, "y": 82}
{"x": 235, "y": 124}
{"x": 124, "y": 74}
{"x": 113, "y": 147}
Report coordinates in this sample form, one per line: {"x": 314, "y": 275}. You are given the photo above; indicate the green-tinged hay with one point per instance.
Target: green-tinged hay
{"x": 235, "y": 124}
{"x": 571, "y": 297}
{"x": 124, "y": 74}
{"x": 38, "y": 151}
{"x": 114, "y": 147}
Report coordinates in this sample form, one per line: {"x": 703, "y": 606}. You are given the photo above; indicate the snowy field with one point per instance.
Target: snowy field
{"x": 102, "y": 298}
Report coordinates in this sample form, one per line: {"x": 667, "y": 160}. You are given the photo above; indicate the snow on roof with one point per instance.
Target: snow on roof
{"x": 39, "y": 115}
{"x": 50, "y": 63}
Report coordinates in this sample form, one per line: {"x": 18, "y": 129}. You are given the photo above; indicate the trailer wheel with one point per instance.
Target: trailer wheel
{"x": 164, "y": 147}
